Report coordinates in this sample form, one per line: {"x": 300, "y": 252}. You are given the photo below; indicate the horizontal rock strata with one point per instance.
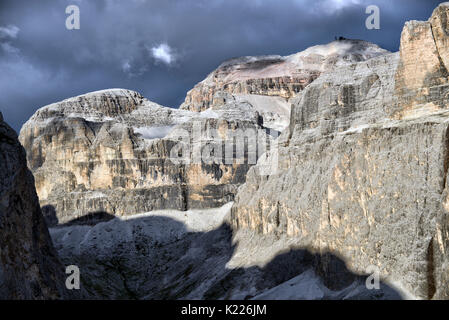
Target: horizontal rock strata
{"x": 113, "y": 151}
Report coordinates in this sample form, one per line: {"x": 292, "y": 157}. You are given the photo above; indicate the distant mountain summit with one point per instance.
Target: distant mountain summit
{"x": 278, "y": 76}
{"x": 268, "y": 82}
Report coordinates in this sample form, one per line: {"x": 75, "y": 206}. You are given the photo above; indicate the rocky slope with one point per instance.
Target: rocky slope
{"x": 29, "y": 266}
{"x": 195, "y": 254}
{"x": 363, "y": 166}
{"x": 114, "y": 151}
{"x": 273, "y": 80}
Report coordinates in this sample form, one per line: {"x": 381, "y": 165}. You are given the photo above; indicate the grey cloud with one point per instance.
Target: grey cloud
{"x": 7, "y": 34}
{"x": 10, "y": 31}
{"x": 43, "y": 62}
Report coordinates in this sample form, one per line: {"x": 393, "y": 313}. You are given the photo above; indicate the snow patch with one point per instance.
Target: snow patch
{"x": 209, "y": 114}
{"x": 196, "y": 220}
{"x": 103, "y": 235}
{"x": 153, "y": 132}
{"x": 357, "y": 129}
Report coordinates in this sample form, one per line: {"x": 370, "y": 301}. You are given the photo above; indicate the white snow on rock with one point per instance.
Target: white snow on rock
{"x": 153, "y": 132}
{"x": 274, "y": 110}
{"x": 336, "y": 53}
{"x": 189, "y": 250}
{"x": 197, "y": 220}
{"x": 320, "y": 58}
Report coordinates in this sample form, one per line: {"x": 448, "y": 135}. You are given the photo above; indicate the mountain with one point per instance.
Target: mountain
{"x": 268, "y": 82}
{"x": 363, "y": 165}
{"x": 357, "y": 181}
{"x": 113, "y": 151}
{"x": 109, "y": 151}
{"x": 29, "y": 264}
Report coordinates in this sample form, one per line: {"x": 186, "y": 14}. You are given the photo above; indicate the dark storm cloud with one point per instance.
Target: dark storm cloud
{"x": 162, "y": 48}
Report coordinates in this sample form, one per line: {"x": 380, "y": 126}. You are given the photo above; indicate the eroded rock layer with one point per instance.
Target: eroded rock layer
{"x": 113, "y": 151}
{"x": 363, "y": 168}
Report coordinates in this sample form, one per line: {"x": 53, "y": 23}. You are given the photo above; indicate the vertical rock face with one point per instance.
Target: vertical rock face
{"x": 276, "y": 79}
{"x": 113, "y": 151}
{"x": 29, "y": 266}
{"x": 422, "y": 75}
{"x": 362, "y": 170}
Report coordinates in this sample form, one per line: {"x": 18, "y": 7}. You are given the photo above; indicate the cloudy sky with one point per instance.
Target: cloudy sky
{"x": 163, "y": 48}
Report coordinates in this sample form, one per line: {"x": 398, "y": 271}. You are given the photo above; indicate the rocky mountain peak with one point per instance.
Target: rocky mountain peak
{"x": 317, "y": 58}
{"x": 277, "y": 76}
{"x": 111, "y": 151}
{"x": 94, "y": 105}
{"x": 337, "y": 53}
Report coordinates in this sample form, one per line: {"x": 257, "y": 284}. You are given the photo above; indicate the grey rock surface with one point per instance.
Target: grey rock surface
{"x": 269, "y": 82}
{"x": 113, "y": 151}
{"x": 361, "y": 179}
{"x": 29, "y": 265}
{"x": 362, "y": 170}
{"x": 170, "y": 254}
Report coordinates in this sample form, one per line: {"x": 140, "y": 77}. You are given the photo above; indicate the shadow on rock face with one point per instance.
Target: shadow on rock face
{"x": 299, "y": 274}
{"x": 158, "y": 257}
{"x": 90, "y": 219}
{"x": 50, "y": 216}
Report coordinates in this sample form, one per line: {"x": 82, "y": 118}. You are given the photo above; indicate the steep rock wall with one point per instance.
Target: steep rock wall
{"x": 29, "y": 265}
{"x": 111, "y": 151}
{"x": 362, "y": 170}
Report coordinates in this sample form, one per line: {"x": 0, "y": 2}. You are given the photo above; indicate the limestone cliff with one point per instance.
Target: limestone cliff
{"x": 111, "y": 151}
{"x": 363, "y": 167}
{"x": 273, "y": 80}
{"x": 29, "y": 266}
